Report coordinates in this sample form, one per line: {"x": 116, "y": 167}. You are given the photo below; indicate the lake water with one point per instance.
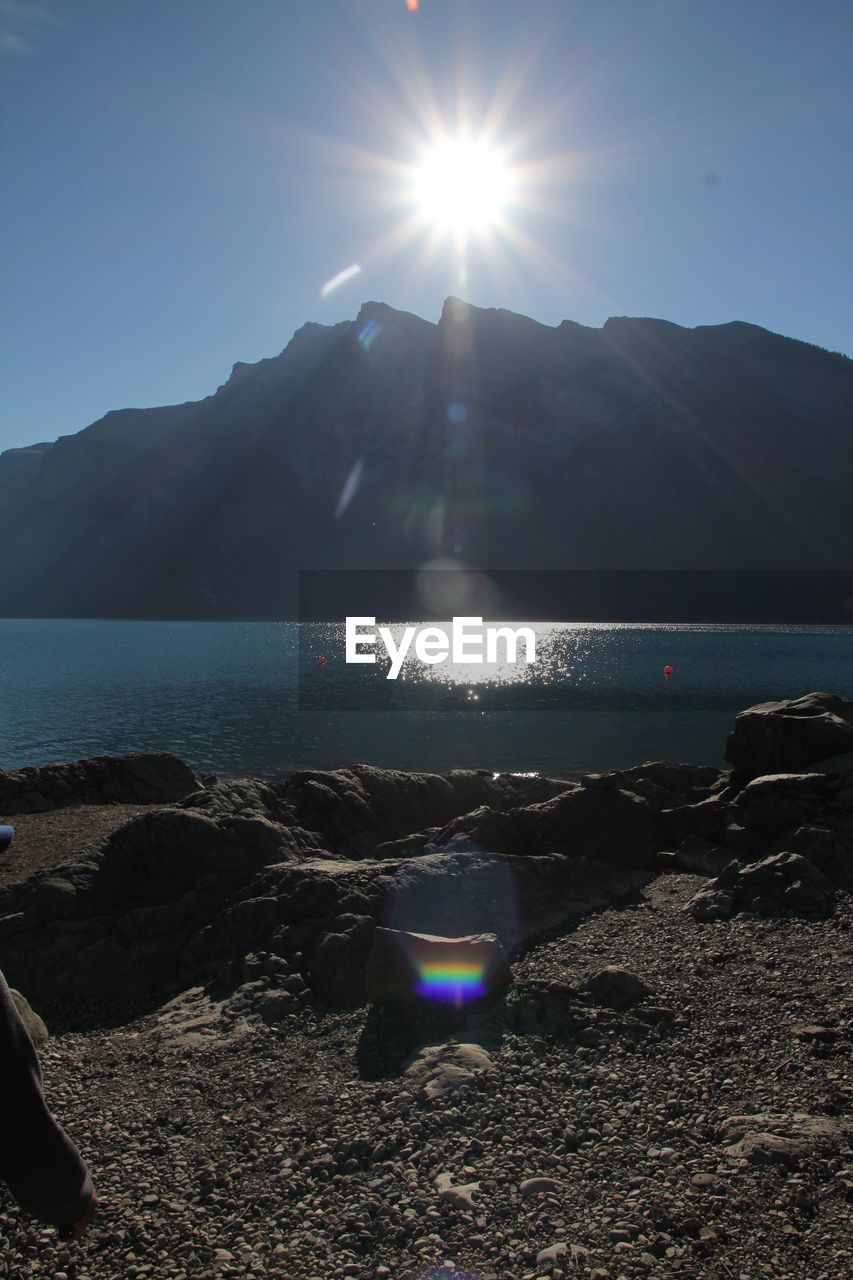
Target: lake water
{"x": 225, "y": 695}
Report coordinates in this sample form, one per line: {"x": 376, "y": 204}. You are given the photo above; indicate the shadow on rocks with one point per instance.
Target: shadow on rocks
{"x": 392, "y": 1033}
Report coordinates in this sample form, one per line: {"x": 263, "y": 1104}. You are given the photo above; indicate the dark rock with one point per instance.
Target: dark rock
{"x": 559, "y": 1011}
{"x": 120, "y": 925}
{"x": 270, "y": 1003}
{"x": 812, "y": 1032}
{"x": 36, "y": 1029}
{"x": 244, "y": 880}
{"x": 136, "y": 778}
{"x": 615, "y": 988}
{"x": 665, "y": 784}
{"x": 180, "y": 895}
{"x": 466, "y": 890}
{"x": 712, "y": 904}
{"x": 656, "y": 1014}
{"x": 842, "y": 763}
{"x": 598, "y": 818}
{"x": 788, "y": 736}
{"x": 336, "y": 967}
{"x": 774, "y": 803}
{"x": 828, "y": 846}
{"x": 192, "y": 1020}
{"x": 696, "y": 857}
{"x": 708, "y": 820}
{"x": 784, "y": 1139}
{"x": 548, "y": 1007}
{"x": 356, "y": 809}
{"x": 783, "y": 882}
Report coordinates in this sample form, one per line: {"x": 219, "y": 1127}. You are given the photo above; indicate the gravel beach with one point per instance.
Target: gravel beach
{"x": 267, "y": 1153}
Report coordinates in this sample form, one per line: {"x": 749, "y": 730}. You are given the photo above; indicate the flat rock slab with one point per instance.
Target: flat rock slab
{"x": 461, "y": 1194}
{"x": 772, "y": 1138}
{"x": 551, "y": 1255}
{"x": 194, "y": 1021}
{"x": 438, "y": 1070}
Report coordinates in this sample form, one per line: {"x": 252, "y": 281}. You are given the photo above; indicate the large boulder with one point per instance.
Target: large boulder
{"x": 784, "y": 882}
{"x": 828, "y": 845}
{"x": 467, "y": 889}
{"x": 136, "y": 778}
{"x": 615, "y": 988}
{"x": 712, "y": 820}
{"x": 777, "y": 802}
{"x": 786, "y": 737}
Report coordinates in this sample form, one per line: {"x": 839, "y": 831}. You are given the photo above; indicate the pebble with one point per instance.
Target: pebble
{"x": 539, "y": 1186}
{"x": 551, "y": 1253}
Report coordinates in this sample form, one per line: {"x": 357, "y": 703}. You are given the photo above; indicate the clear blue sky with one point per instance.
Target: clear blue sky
{"x": 180, "y": 178}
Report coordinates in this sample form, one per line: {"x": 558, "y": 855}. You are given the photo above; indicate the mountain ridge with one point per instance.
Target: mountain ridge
{"x": 486, "y": 437}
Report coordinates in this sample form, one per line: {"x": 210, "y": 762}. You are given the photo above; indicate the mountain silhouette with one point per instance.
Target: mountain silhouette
{"x": 486, "y": 439}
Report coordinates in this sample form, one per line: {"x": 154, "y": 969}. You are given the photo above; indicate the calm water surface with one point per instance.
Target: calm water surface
{"x": 224, "y": 695}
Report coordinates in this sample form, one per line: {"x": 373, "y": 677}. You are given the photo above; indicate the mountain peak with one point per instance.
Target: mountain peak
{"x": 382, "y": 313}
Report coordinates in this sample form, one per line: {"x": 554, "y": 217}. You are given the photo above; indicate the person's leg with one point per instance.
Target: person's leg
{"x": 41, "y": 1165}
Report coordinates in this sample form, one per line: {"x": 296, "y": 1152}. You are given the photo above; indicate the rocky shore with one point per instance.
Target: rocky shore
{"x": 652, "y": 1079}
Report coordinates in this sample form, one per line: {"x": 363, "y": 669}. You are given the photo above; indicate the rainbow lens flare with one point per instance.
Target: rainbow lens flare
{"x": 452, "y": 979}
{"x": 368, "y": 333}
{"x": 448, "y": 1271}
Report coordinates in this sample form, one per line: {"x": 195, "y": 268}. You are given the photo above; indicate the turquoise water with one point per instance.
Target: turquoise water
{"x": 224, "y": 695}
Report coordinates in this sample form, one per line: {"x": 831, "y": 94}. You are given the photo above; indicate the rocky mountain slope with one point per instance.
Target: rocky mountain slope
{"x": 487, "y": 438}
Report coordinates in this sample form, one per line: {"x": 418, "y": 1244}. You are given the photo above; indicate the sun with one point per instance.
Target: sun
{"x": 462, "y": 186}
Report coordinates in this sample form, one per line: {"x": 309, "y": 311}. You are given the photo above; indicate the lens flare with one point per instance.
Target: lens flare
{"x": 350, "y": 488}
{"x": 451, "y": 979}
{"x": 342, "y": 278}
{"x": 449, "y": 1271}
{"x": 368, "y": 333}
